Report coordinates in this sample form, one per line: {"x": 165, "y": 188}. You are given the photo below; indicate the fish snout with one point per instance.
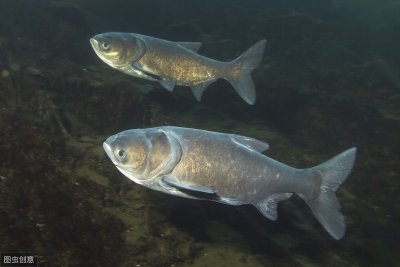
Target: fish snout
{"x": 94, "y": 42}
{"x": 108, "y": 150}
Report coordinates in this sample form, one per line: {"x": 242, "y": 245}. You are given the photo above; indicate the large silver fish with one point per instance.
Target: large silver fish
{"x": 177, "y": 63}
{"x": 228, "y": 168}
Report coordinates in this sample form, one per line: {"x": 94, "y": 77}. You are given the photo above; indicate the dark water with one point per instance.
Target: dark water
{"x": 329, "y": 80}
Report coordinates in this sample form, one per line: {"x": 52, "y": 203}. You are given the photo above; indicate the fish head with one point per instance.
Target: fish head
{"x": 143, "y": 155}
{"x": 118, "y": 49}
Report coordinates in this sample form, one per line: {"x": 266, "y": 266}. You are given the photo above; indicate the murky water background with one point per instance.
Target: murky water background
{"x": 329, "y": 80}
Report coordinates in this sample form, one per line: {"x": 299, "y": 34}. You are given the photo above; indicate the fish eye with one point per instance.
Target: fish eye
{"x": 105, "y": 45}
{"x": 121, "y": 154}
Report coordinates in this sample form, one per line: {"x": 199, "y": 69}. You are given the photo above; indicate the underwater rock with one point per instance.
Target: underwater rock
{"x": 42, "y": 210}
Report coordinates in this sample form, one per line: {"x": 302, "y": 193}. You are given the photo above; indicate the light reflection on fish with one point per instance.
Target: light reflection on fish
{"x": 177, "y": 63}
{"x": 229, "y": 169}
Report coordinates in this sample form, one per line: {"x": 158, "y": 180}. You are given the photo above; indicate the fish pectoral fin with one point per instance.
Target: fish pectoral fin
{"x": 194, "y": 46}
{"x": 199, "y": 89}
{"x": 171, "y": 181}
{"x": 167, "y": 85}
{"x": 250, "y": 143}
{"x": 230, "y": 201}
{"x": 138, "y": 68}
{"x": 268, "y": 206}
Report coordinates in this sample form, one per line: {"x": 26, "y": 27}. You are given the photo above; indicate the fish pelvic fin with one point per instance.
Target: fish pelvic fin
{"x": 247, "y": 62}
{"x": 324, "y": 203}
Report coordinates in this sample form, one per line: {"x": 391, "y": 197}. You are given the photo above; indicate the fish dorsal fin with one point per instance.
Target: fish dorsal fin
{"x": 268, "y": 206}
{"x": 194, "y": 46}
{"x": 249, "y": 142}
{"x": 172, "y": 181}
{"x": 199, "y": 89}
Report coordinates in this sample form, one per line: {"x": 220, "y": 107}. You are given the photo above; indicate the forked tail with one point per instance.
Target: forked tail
{"x": 248, "y": 61}
{"x": 324, "y": 204}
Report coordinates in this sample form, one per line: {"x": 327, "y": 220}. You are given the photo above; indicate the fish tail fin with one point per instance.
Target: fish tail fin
{"x": 247, "y": 62}
{"x": 323, "y": 202}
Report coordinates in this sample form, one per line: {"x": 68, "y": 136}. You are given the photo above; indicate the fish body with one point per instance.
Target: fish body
{"x": 177, "y": 63}
{"x": 227, "y": 168}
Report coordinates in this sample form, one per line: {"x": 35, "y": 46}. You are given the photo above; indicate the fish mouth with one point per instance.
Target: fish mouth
{"x": 94, "y": 42}
{"x": 110, "y": 154}
{"x": 108, "y": 150}
{"x": 127, "y": 173}
{"x": 96, "y": 47}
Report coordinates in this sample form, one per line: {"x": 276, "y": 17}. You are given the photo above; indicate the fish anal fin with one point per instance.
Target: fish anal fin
{"x": 249, "y": 142}
{"x": 171, "y": 181}
{"x": 193, "y": 46}
{"x": 199, "y": 89}
{"x": 269, "y": 205}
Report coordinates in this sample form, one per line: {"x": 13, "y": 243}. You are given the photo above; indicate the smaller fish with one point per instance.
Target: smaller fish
{"x": 228, "y": 168}
{"x": 177, "y": 63}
